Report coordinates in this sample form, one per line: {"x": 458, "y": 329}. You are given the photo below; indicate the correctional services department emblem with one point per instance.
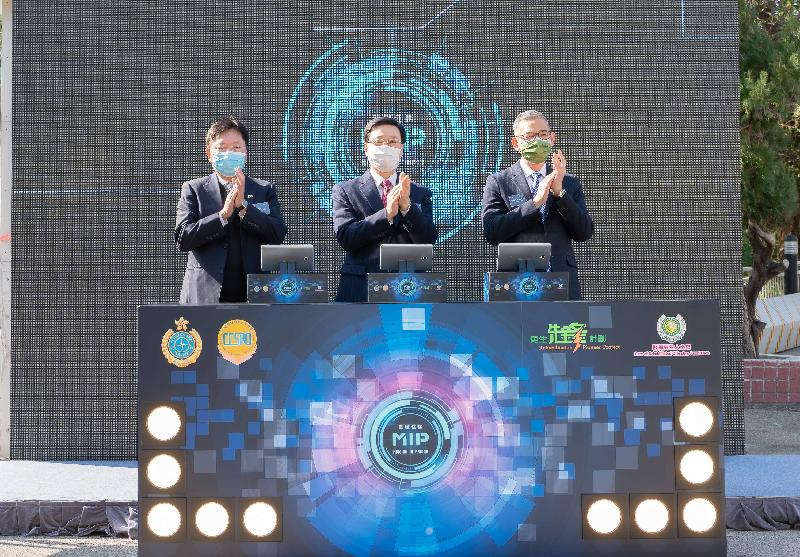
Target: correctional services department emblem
{"x": 182, "y": 346}
{"x": 237, "y": 341}
{"x": 671, "y": 329}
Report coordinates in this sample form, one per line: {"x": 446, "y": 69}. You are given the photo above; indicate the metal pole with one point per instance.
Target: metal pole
{"x": 5, "y": 229}
{"x": 790, "y": 254}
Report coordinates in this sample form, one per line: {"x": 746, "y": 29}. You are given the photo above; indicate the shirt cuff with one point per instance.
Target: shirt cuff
{"x": 222, "y": 219}
{"x": 404, "y": 213}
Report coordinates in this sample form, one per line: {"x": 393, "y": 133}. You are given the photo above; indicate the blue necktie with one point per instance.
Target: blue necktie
{"x": 536, "y": 177}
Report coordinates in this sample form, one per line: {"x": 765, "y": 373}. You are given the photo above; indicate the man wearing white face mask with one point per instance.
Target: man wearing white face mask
{"x": 222, "y": 220}
{"x": 380, "y": 207}
{"x": 534, "y": 202}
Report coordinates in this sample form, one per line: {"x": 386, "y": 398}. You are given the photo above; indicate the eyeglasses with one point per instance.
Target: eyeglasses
{"x": 391, "y": 143}
{"x": 544, "y": 134}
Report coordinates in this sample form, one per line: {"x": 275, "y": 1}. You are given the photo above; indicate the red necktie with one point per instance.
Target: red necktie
{"x": 387, "y": 186}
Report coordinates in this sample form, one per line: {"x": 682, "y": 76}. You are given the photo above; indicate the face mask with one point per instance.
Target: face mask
{"x": 228, "y": 162}
{"x": 535, "y": 151}
{"x": 383, "y": 158}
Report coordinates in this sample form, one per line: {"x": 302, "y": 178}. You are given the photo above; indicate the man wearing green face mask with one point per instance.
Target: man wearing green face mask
{"x": 536, "y": 201}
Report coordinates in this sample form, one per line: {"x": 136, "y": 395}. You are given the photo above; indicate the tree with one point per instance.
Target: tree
{"x": 769, "y": 69}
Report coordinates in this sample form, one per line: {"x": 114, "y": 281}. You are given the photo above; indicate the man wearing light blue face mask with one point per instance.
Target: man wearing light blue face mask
{"x": 223, "y": 219}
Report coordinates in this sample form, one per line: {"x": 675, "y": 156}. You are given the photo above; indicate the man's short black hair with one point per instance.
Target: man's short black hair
{"x": 224, "y": 124}
{"x": 380, "y": 120}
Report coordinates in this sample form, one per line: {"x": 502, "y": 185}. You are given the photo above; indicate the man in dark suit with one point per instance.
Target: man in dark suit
{"x": 532, "y": 201}
{"x": 224, "y": 238}
{"x": 380, "y": 207}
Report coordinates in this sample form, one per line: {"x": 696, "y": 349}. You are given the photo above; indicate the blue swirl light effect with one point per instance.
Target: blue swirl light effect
{"x": 453, "y": 133}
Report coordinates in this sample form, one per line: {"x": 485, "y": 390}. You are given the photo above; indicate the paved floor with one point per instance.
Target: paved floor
{"x": 740, "y": 544}
{"x": 92, "y": 546}
{"x": 772, "y": 429}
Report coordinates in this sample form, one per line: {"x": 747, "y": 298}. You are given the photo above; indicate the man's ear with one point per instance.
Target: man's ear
{"x": 514, "y": 143}
{"x": 553, "y": 137}
{"x": 207, "y": 151}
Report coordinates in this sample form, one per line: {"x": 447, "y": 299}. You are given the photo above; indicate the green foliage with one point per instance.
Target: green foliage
{"x": 770, "y": 112}
{"x": 747, "y": 253}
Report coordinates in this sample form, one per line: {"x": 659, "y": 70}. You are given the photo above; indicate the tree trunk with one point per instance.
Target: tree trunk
{"x": 764, "y": 269}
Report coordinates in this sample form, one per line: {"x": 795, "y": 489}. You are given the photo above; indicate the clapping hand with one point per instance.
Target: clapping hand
{"x": 404, "y": 184}
{"x": 544, "y": 190}
{"x": 560, "y": 170}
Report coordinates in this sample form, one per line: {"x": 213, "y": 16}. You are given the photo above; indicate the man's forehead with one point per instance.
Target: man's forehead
{"x": 535, "y": 124}
{"x": 228, "y": 136}
{"x": 385, "y": 129}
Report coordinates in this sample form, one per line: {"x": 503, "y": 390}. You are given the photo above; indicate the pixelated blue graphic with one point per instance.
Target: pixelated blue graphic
{"x": 453, "y": 133}
{"x": 470, "y": 492}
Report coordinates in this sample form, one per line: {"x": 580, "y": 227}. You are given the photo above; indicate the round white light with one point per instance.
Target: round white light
{"x": 163, "y": 423}
{"x": 696, "y": 419}
{"x": 164, "y": 520}
{"x": 697, "y": 466}
{"x": 212, "y": 519}
{"x": 260, "y": 519}
{"x": 164, "y": 471}
{"x": 651, "y": 516}
{"x": 604, "y": 516}
{"x": 699, "y": 515}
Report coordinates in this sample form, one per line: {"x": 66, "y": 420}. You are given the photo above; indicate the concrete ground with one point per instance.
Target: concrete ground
{"x": 763, "y": 544}
{"x": 772, "y": 429}
{"x": 740, "y": 544}
{"x": 91, "y": 546}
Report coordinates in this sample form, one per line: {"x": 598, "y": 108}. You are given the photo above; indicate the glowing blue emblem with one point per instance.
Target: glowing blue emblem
{"x": 454, "y": 134}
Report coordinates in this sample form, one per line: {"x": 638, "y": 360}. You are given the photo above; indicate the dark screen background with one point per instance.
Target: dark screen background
{"x": 112, "y": 101}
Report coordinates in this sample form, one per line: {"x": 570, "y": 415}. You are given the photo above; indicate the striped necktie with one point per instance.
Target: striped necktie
{"x": 387, "y": 187}
{"x": 534, "y": 187}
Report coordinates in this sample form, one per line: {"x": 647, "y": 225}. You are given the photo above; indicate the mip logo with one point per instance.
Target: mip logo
{"x": 411, "y": 439}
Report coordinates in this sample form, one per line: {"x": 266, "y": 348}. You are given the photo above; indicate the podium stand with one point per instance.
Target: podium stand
{"x": 287, "y": 285}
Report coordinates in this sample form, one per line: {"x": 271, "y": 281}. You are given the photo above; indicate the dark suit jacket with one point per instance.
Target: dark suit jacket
{"x": 361, "y": 226}
{"x": 199, "y": 230}
{"x": 509, "y": 217}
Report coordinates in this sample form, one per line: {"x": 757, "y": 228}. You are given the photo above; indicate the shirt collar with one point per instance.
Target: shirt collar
{"x": 223, "y": 183}
{"x": 529, "y": 171}
{"x": 379, "y": 179}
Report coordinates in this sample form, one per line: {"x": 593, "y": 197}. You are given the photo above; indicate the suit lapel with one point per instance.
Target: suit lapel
{"x": 212, "y": 187}
{"x": 520, "y": 182}
{"x": 370, "y": 193}
{"x": 250, "y": 190}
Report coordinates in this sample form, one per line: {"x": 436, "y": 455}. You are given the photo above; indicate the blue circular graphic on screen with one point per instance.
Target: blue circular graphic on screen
{"x": 529, "y": 286}
{"x": 454, "y": 134}
{"x": 287, "y": 287}
{"x": 411, "y": 439}
{"x": 407, "y": 287}
{"x": 181, "y": 345}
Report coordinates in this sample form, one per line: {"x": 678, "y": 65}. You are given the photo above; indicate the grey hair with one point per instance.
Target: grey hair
{"x": 526, "y": 116}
